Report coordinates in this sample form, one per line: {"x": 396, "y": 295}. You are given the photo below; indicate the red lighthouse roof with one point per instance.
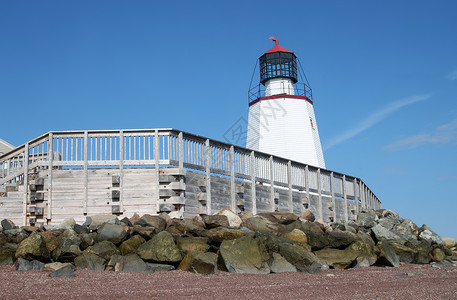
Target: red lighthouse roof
{"x": 277, "y": 48}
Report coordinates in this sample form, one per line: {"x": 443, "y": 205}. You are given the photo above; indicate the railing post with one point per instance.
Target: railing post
{"x": 121, "y": 170}
{"x": 232, "y": 179}
{"x": 208, "y": 176}
{"x": 156, "y": 161}
{"x": 50, "y": 167}
{"x": 86, "y": 172}
{"x": 345, "y": 197}
{"x": 332, "y": 190}
{"x": 253, "y": 194}
{"x": 181, "y": 151}
{"x": 321, "y": 218}
{"x": 272, "y": 185}
{"x": 289, "y": 182}
{"x": 26, "y": 182}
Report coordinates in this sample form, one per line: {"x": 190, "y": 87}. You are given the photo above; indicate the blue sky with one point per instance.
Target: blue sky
{"x": 383, "y": 73}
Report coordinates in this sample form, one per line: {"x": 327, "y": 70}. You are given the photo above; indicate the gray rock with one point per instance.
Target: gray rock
{"x": 284, "y": 218}
{"x": 299, "y": 256}
{"x": 339, "y": 239}
{"x": 67, "y": 271}
{"x": 160, "y": 267}
{"x": 128, "y": 263}
{"x": 33, "y": 247}
{"x": 339, "y": 259}
{"x": 7, "y": 224}
{"x": 233, "y": 219}
{"x": 199, "y": 262}
{"x": 104, "y": 249}
{"x": 365, "y": 250}
{"x": 243, "y": 255}
{"x": 16, "y": 235}
{"x": 156, "y": 222}
{"x": 94, "y": 222}
{"x": 384, "y": 213}
{"x": 126, "y": 221}
{"x": 264, "y": 225}
{"x": 68, "y": 249}
{"x": 131, "y": 245}
{"x": 26, "y": 265}
{"x": 87, "y": 239}
{"x": 387, "y": 256}
{"x": 220, "y": 234}
{"x": 367, "y": 219}
{"x": 80, "y": 229}
{"x": 406, "y": 254}
{"x": 388, "y": 222}
{"x": 422, "y": 249}
{"x": 89, "y": 261}
{"x": 112, "y": 232}
{"x": 214, "y": 221}
{"x": 189, "y": 244}
{"x": 382, "y": 234}
{"x": 161, "y": 248}
{"x": 280, "y": 265}
{"x": 427, "y": 234}
{"x": 68, "y": 222}
{"x": 7, "y": 252}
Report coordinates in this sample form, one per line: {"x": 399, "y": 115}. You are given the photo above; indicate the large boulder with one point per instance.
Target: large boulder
{"x": 94, "y": 222}
{"x": 367, "y": 219}
{"x": 279, "y": 264}
{"x": 113, "y": 233}
{"x": 389, "y": 222}
{"x": 87, "y": 239}
{"x": 199, "y": 262}
{"x": 68, "y": 222}
{"x": 427, "y": 234}
{"x": 303, "y": 259}
{"x": 33, "y": 247}
{"x": 214, "y": 221}
{"x": 244, "y": 255}
{"x": 156, "y": 222}
{"x": 161, "y": 248}
{"x": 296, "y": 235}
{"x": 233, "y": 219}
{"x": 437, "y": 254}
{"x": 340, "y": 239}
{"x": 191, "y": 226}
{"x": 131, "y": 245}
{"x": 284, "y": 218}
{"x": 7, "y": 224}
{"x": 189, "y": 244}
{"x": 66, "y": 271}
{"x": 382, "y": 234}
{"x": 128, "y": 263}
{"x": 89, "y": 261}
{"x": 387, "y": 256}
{"x": 7, "y": 252}
{"x": 449, "y": 242}
{"x": 22, "y": 264}
{"x": 52, "y": 267}
{"x": 265, "y": 225}
{"x": 146, "y": 232}
{"x": 15, "y": 235}
{"x": 339, "y": 259}
{"x": 51, "y": 239}
{"x": 406, "y": 254}
{"x": 104, "y": 249}
{"x": 220, "y": 234}
{"x": 68, "y": 248}
{"x": 307, "y": 215}
{"x": 422, "y": 249}
{"x": 366, "y": 255}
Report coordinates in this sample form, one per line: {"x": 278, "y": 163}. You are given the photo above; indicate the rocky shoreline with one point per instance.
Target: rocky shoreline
{"x": 266, "y": 243}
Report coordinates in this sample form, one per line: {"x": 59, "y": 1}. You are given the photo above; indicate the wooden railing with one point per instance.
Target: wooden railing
{"x": 169, "y": 147}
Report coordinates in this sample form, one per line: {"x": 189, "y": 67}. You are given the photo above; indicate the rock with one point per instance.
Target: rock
{"x": 437, "y": 254}
{"x": 339, "y": 259}
{"x": 51, "y": 240}
{"x": 296, "y": 235}
{"x": 307, "y": 215}
{"x": 146, "y": 232}
{"x": 16, "y": 235}
{"x": 80, "y": 229}
{"x": 87, "y": 239}
{"x": 414, "y": 228}
{"x": 161, "y": 248}
{"x": 387, "y": 256}
{"x": 233, "y": 219}
{"x": 25, "y": 265}
{"x": 191, "y": 226}
{"x": 68, "y": 249}
{"x": 190, "y": 244}
{"x": 199, "y": 262}
{"x": 367, "y": 219}
{"x": 404, "y": 231}
{"x": 89, "y": 261}
{"x": 388, "y": 222}
{"x": 128, "y": 263}
{"x": 104, "y": 249}
{"x": 160, "y": 267}
{"x": 384, "y": 213}
{"x": 317, "y": 239}
{"x": 126, "y": 221}
{"x": 284, "y": 218}
{"x": 449, "y": 242}
{"x": 52, "y": 267}
{"x": 165, "y": 216}
{"x": 8, "y": 224}
{"x": 33, "y": 247}
{"x": 406, "y": 254}
{"x": 365, "y": 251}
{"x": 422, "y": 249}
{"x": 7, "y": 252}
{"x": 3, "y": 239}
{"x": 339, "y": 239}
{"x": 382, "y": 234}
{"x": 220, "y": 234}
{"x": 262, "y": 224}
{"x": 299, "y": 256}
{"x": 30, "y": 229}
{"x": 156, "y": 222}
{"x": 216, "y": 221}
{"x": 134, "y": 218}
{"x": 66, "y": 271}
{"x": 131, "y": 245}
{"x": 280, "y": 265}
{"x": 68, "y": 222}
{"x": 112, "y": 232}
{"x": 96, "y": 221}
{"x": 245, "y": 216}
{"x": 243, "y": 255}
{"x": 427, "y": 234}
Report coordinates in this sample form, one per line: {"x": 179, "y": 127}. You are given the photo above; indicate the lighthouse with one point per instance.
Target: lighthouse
{"x": 281, "y": 113}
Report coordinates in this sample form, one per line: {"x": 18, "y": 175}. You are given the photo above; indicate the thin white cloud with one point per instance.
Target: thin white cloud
{"x": 453, "y": 75}
{"x": 443, "y": 134}
{"x": 374, "y": 119}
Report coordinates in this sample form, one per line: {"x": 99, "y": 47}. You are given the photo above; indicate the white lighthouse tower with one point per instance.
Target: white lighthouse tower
{"x": 281, "y": 113}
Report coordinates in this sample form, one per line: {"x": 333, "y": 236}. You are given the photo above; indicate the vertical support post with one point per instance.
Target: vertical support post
{"x": 232, "y": 179}
{"x": 272, "y": 185}
{"x": 253, "y": 194}
{"x": 319, "y": 189}
{"x": 208, "y": 176}
{"x": 356, "y": 196}
{"x": 181, "y": 152}
{"x": 50, "y": 167}
{"x": 289, "y": 182}
{"x": 156, "y": 155}
{"x": 332, "y": 190}
{"x": 26, "y": 182}
{"x": 345, "y": 197}
{"x": 121, "y": 170}
{"x": 86, "y": 172}
{"x": 307, "y": 184}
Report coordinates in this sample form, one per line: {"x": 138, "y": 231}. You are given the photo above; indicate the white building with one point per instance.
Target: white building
{"x": 281, "y": 113}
